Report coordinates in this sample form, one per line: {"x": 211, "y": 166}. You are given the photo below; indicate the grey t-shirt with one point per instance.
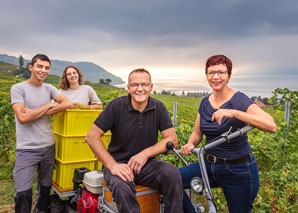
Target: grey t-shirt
{"x": 38, "y": 133}
{"x": 83, "y": 95}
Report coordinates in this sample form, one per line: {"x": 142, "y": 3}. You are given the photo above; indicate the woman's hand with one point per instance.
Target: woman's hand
{"x": 222, "y": 113}
{"x": 187, "y": 149}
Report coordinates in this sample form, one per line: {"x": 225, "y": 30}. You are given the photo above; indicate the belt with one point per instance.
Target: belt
{"x": 215, "y": 160}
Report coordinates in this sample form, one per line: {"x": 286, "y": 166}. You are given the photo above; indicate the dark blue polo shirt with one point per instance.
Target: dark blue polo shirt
{"x": 132, "y": 131}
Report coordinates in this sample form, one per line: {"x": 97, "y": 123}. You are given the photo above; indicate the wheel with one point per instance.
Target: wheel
{"x": 55, "y": 204}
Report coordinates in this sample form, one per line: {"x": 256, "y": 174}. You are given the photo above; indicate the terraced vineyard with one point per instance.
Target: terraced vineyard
{"x": 277, "y": 154}
{"x": 187, "y": 107}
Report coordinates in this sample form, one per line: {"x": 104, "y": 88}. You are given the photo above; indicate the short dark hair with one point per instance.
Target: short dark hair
{"x": 41, "y": 57}
{"x": 219, "y": 59}
{"x": 139, "y": 70}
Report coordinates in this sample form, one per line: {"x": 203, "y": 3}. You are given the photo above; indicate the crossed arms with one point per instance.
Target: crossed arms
{"x": 25, "y": 115}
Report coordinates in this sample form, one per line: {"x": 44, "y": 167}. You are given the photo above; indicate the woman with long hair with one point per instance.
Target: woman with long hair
{"x": 71, "y": 85}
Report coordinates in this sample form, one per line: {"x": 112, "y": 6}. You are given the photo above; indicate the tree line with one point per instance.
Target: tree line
{"x": 23, "y": 70}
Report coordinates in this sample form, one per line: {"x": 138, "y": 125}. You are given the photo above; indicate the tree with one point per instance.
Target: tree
{"x": 102, "y": 81}
{"x": 26, "y": 72}
{"x": 183, "y": 94}
{"x": 253, "y": 98}
{"x": 87, "y": 82}
{"x": 21, "y": 61}
{"x": 108, "y": 81}
{"x": 166, "y": 92}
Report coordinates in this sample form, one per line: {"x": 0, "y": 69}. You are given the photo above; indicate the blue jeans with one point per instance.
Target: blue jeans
{"x": 240, "y": 183}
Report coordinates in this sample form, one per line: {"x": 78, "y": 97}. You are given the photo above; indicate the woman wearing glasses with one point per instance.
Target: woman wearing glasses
{"x": 71, "y": 85}
{"x": 230, "y": 166}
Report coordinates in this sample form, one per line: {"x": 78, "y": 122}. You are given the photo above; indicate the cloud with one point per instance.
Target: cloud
{"x": 259, "y": 36}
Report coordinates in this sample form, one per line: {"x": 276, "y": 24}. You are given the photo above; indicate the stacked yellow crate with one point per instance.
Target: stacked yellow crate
{"x": 70, "y": 128}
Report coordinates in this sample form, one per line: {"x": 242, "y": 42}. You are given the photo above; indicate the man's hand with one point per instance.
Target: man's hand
{"x": 123, "y": 171}
{"x": 61, "y": 104}
{"x": 51, "y": 105}
{"x": 137, "y": 162}
{"x": 25, "y": 110}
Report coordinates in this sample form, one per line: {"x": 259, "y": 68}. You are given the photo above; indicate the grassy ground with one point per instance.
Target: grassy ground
{"x": 6, "y": 196}
{"x": 7, "y": 192}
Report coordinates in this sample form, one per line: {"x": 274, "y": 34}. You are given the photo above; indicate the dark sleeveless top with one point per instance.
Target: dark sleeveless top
{"x": 237, "y": 147}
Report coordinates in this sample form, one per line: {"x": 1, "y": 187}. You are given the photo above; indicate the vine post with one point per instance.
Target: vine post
{"x": 287, "y": 115}
{"x": 175, "y": 114}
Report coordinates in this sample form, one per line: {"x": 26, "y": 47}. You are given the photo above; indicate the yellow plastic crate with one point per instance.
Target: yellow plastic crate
{"x": 54, "y": 174}
{"x": 74, "y": 122}
{"x": 106, "y": 139}
{"x": 75, "y": 148}
{"x": 63, "y": 172}
{"x": 72, "y": 148}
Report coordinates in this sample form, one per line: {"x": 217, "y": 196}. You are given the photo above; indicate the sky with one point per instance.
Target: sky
{"x": 170, "y": 38}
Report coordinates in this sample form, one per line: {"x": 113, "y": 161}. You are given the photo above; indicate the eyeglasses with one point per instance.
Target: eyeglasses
{"x": 220, "y": 73}
{"x": 136, "y": 85}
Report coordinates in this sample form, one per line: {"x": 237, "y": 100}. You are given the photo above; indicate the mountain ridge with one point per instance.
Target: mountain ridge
{"x": 91, "y": 71}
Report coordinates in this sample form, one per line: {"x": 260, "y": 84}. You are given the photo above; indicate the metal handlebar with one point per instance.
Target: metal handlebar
{"x": 199, "y": 151}
{"x": 170, "y": 146}
{"x": 225, "y": 137}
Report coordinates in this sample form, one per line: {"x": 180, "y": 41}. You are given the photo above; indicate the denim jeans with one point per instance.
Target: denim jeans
{"x": 240, "y": 183}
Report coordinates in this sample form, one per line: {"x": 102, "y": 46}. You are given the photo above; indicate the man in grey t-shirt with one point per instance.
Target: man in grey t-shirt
{"x": 31, "y": 103}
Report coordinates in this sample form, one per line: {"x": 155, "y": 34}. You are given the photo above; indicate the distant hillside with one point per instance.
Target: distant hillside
{"x": 4, "y": 66}
{"x": 91, "y": 71}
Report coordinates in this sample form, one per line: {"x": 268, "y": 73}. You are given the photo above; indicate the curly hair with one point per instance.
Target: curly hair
{"x": 64, "y": 84}
{"x": 219, "y": 59}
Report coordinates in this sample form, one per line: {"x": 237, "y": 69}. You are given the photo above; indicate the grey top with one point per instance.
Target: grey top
{"x": 38, "y": 133}
{"x": 83, "y": 95}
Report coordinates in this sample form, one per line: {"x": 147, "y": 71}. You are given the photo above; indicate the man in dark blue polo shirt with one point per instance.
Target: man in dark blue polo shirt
{"x": 134, "y": 121}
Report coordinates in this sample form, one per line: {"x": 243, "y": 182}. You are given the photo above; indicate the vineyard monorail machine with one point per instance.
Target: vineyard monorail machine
{"x": 90, "y": 194}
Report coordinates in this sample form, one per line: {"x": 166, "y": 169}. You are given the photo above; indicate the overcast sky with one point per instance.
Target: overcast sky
{"x": 170, "y": 38}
